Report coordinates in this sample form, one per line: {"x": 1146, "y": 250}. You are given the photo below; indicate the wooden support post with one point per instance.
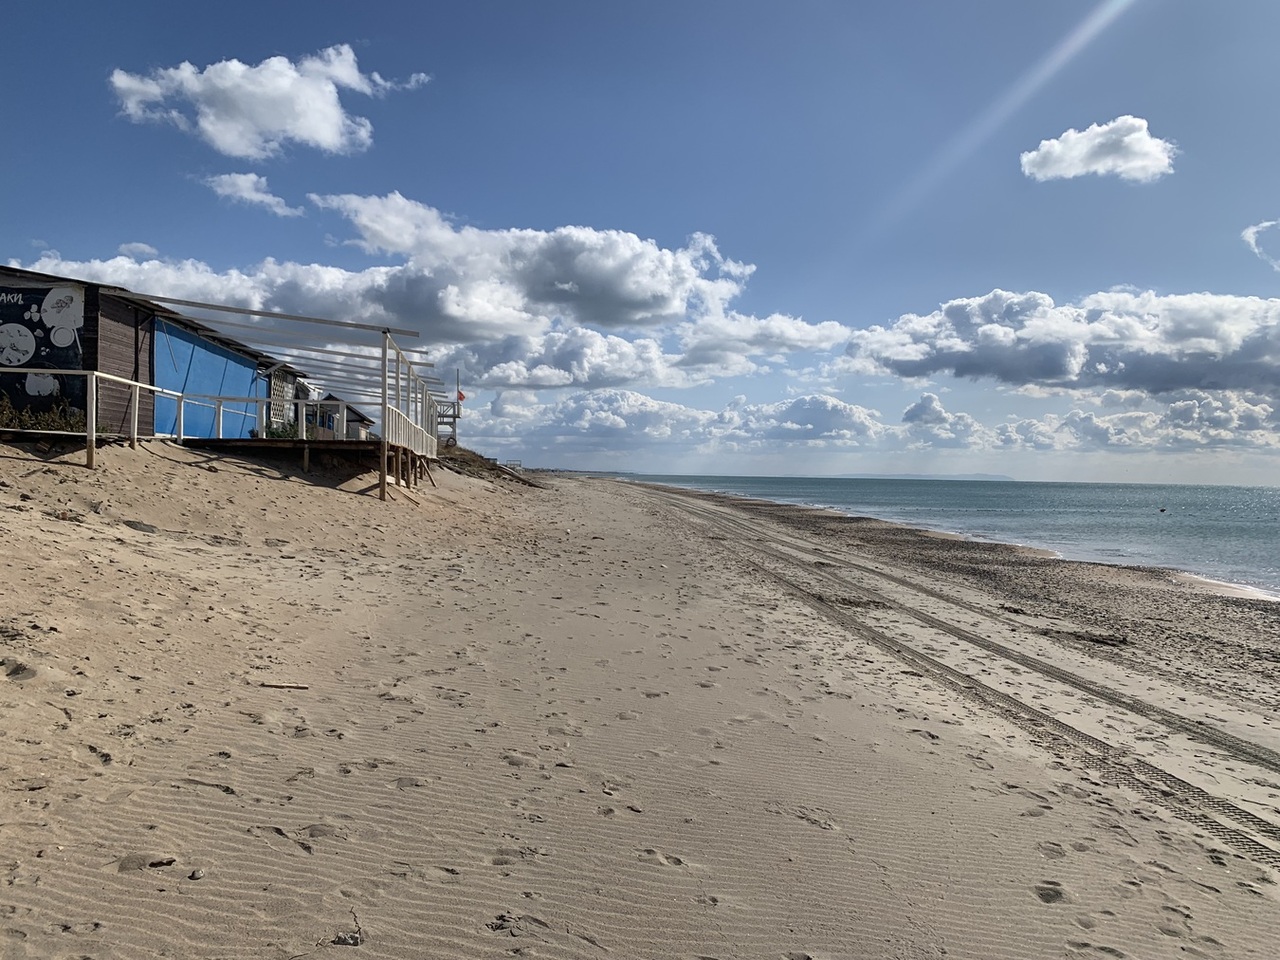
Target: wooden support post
{"x": 133, "y": 417}
{"x": 301, "y": 408}
{"x": 427, "y": 464}
{"x": 91, "y": 419}
{"x": 217, "y": 419}
{"x": 306, "y": 458}
{"x": 182, "y": 401}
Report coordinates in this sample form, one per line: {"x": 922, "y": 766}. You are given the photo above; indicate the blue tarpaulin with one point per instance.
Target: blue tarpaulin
{"x": 185, "y": 362}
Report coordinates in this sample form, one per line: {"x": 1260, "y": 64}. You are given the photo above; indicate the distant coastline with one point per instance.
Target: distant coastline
{"x": 997, "y": 477}
{"x": 925, "y": 476}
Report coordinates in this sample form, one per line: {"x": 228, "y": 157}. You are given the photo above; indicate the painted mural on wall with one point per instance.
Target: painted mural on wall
{"x": 39, "y": 331}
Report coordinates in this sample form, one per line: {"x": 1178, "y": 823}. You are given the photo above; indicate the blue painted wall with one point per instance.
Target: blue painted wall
{"x": 184, "y": 362}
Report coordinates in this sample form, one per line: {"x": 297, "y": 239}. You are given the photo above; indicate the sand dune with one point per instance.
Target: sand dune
{"x": 246, "y": 714}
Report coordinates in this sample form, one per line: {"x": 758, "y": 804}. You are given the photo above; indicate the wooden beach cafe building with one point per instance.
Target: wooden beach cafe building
{"x": 99, "y": 361}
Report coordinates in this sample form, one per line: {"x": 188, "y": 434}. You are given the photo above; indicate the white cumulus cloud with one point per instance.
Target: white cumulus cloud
{"x": 1124, "y": 148}
{"x": 624, "y": 421}
{"x": 606, "y": 278}
{"x": 929, "y": 424}
{"x": 253, "y": 111}
{"x": 250, "y": 188}
{"x": 571, "y": 357}
{"x": 726, "y": 342}
{"x": 626, "y": 424}
{"x": 814, "y": 419}
{"x": 137, "y": 250}
{"x": 568, "y": 308}
{"x": 561, "y": 332}
{"x": 1114, "y": 340}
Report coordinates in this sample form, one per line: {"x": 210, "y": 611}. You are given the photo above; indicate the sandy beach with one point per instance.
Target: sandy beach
{"x": 247, "y": 713}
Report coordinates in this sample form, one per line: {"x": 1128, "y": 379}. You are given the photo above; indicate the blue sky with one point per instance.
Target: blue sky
{"x": 740, "y": 237}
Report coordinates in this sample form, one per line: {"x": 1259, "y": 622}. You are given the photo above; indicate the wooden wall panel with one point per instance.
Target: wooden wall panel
{"x": 123, "y": 348}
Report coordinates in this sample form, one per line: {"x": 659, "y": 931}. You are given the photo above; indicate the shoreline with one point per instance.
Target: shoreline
{"x": 246, "y": 712}
{"x": 1204, "y": 580}
{"x": 1136, "y": 604}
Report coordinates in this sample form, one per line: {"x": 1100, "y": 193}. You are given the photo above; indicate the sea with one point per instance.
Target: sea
{"x": 1224, "y": 533}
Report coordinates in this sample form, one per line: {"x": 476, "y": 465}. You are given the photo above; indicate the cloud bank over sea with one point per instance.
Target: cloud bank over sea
{"x": 571, "y": 328}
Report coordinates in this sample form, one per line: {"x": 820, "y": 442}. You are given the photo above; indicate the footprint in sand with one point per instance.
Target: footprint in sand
{"x": 658, "y": 858}
{"x": 612, "y": 785}
{"x": 1176, "y": 922}
{"x": 444, "y": 874}
{"x": 103, "y": 757}
{"x": 518, "y": 758}
{"x": 1051, "y": 850}
{"x": 1042, "y": 806}
{"x": 132, "y": 862}
{"x": 15, "y": 669}
{"x": 317, "y": 830}
{"x": 86, "y": 926}
{"x": 1050, "y": 891}
{"x": 507, "y": 856}
{"x": 1083, "y": 947}
{"x": 813, "y": 816}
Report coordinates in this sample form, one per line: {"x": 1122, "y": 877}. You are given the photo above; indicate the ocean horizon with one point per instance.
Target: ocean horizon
{"x": 1221, "y": 532}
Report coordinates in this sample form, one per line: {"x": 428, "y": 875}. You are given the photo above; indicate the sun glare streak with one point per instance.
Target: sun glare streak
{"x": 963, "y": 145}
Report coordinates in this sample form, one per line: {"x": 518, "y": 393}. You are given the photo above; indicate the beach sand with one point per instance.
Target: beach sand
{"x": 246, "y": 713}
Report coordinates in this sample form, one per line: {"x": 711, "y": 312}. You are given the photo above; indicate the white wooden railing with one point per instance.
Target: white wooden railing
{"x": 302, "y": 409}
{"x": 410, "y": 418}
